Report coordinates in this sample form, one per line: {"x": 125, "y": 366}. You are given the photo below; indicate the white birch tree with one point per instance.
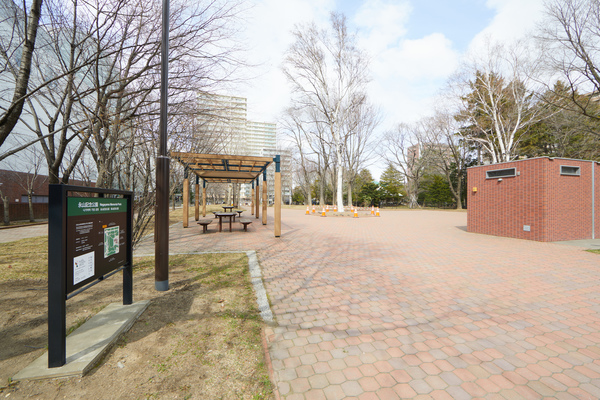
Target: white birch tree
{"x": 328, "y": 74}
{"x": 497, "y": 100}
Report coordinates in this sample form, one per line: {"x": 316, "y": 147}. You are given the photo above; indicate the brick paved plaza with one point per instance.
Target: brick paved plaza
{"x": 410, "y": 305}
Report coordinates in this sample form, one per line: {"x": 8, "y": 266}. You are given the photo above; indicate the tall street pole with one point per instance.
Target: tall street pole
{"x": 161, "y": 230}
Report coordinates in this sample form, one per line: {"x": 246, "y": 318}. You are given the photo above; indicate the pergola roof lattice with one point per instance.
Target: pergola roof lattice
{"x": 220, "y": 168}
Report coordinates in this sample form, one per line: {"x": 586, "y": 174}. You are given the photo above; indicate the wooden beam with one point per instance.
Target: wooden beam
{"x": 186, "y": 201}
{"x": 189, "y": 156}
{"x": 226, "y": 174}
{"x": 197, "y": 201}
{"x": 277, "y": 204}
{"x": 204, "y": 200}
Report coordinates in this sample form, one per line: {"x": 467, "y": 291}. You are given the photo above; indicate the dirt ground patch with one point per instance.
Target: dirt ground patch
{"x": 199, "y": 340}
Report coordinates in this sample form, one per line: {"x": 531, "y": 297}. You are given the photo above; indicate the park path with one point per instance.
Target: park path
{"x": 22, "y": 232}
{"x": 410, "y": 305}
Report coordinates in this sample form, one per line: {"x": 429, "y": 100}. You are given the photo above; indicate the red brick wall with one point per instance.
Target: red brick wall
{"x": 14, "y": 185}
{"x": 20, "y": 211}
{"x": 555, "y": 207}
{"x": 570, "y": 201}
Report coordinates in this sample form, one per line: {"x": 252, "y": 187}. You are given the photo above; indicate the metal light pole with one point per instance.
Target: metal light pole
{"x": 161, "y": 230}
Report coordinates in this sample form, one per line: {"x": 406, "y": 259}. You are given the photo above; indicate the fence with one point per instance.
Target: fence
{"x": 20, "y": 212}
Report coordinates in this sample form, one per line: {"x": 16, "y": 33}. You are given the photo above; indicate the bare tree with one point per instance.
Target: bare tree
{"x": 570, "y": 37}
{"x": 405, "y": 149}
{"x": 497, "y": 103}
{"x": 21, "y": 39}
{"x": 359, "y": 145}
{"x": 447, "y": 150}
{"x": 28, "y": 180}
{"x": 295, "y": 130}
{"x": 328, "y": 74}
{"x": 5, "y": 206}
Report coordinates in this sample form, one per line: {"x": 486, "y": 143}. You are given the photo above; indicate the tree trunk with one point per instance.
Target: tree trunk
{"x": 349, "y": 195}
{"x": 5, "y": 200}
{"x": 340, "y": 196}
{"x": 322, "y": 191}
{"x": 53, "y": 174}
{"x": 10, "y": 119}
{"x": 30, "y": 201}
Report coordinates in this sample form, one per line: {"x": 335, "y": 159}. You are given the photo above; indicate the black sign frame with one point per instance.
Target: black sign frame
{"x": 59, "y": 259}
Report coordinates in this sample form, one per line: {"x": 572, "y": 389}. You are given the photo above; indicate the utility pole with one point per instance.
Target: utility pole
{"x": 161, "y": 215}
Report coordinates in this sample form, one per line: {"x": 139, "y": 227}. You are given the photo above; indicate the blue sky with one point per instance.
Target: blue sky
{"x": 458, "y": 20}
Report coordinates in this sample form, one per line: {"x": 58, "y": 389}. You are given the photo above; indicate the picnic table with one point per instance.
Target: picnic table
{"x": 239, "y": 212}
{"x": 222, "y": 215}
{"x": 228, "y": 208}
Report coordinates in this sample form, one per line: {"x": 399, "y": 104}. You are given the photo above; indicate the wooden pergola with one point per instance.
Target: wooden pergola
{"x": 220, "y": 168}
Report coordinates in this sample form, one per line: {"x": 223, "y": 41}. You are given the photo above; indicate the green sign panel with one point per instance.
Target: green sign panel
{"x": 96, "y": 231}
{"x": 89, "y": 206}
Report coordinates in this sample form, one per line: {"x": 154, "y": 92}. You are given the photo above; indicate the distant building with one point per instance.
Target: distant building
{"x": 16, "y": 186}
{"x": 228, "y": 115}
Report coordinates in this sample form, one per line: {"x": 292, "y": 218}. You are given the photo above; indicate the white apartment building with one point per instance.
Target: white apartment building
{"x": 228, "y": 114}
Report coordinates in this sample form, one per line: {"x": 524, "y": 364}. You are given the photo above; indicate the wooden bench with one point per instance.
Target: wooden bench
{"x": 204, "y": 223}
{"x": 245, "y": 222}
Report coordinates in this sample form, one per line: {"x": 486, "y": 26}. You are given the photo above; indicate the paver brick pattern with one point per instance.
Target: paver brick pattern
{"x": 410, "y": 305}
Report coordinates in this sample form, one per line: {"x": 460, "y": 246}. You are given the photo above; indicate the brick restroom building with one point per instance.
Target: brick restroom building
{"x": 544, "y": 199}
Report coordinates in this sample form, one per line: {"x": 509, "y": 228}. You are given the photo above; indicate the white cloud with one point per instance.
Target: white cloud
{"x": 513, "y": 20}
{"x": 268, "y": 34}
{"x": 383, "y": 23}
{"x": 406, "y": 77}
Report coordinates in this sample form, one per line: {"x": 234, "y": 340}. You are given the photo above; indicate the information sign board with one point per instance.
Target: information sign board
{"x": 96, "y": 234}
{"x": 89, "y": 240}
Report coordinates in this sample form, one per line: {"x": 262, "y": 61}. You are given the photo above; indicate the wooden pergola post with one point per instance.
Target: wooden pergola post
{"x": 186, "y": 199}
{"x": 277, "y": 204}
{"x": 203, "y": 198}
{"x": 252, "y": 201}
{"x": 264, "y": 199}
{"x": 197, "y": 199}
{"x": 257, "y": 196}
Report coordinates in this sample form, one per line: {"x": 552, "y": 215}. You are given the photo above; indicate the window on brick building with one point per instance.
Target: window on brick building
{"x": 34, "y": 199}
{"x": 500, "y": 173}
{"x": 569, "y": 170}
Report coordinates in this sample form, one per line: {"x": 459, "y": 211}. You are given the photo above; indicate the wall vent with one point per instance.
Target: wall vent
{"x": 500, "y": 173}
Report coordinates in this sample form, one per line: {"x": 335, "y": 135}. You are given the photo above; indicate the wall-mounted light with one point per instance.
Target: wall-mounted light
{"x": 474, "y": 189}
{"x": 499, "y": 179}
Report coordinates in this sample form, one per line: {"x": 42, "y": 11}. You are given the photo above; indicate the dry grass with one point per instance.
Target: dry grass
{"x": 24, "y": 259}
{"x": 208, "y": 322}
{"x": 200, "y": 339}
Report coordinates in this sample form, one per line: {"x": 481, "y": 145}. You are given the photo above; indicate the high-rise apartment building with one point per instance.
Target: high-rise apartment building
{"x": 227, "y": 115}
